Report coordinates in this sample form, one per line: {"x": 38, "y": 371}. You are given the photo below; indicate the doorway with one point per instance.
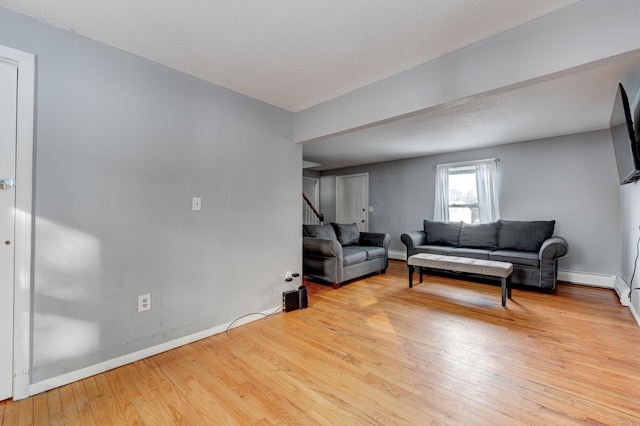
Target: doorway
{"x": 17, "y": 97}
{"x": 352, "y": 200}
{"x": 8, "y": 104}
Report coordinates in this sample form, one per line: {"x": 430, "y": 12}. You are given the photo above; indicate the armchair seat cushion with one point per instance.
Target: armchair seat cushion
{"x": 373, "y": 252}
{"x": 353, "y": 255}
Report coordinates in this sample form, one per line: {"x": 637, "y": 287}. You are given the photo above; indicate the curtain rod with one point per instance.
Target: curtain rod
{"x": 462, "y": 163}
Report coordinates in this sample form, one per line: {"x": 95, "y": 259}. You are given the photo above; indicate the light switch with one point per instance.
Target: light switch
{"x": 196, "y": 204}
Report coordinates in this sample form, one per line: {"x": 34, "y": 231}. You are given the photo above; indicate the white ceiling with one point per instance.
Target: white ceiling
{"x": 295, "y": 54}
{"x": 290, "y": 53}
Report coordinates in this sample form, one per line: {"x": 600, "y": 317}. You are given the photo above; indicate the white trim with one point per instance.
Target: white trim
{"x": 24, "y": 221}
{"x": 622, "y": 290}
{"x": 589, "y": 279}
{"x": 397, "y": 255}
{"x": 635, "y": 313}
{"x": 466, "y": 163}
{"x": 92, "y": 370}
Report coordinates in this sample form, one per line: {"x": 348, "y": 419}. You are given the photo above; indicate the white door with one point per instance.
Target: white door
{"x": 8, "y": 114}
{"x": 352, "y": 200}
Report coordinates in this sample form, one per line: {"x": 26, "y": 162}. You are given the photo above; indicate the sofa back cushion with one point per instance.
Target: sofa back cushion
{"x": 347, "y": 234}
{"x": 324, "y": 232}
{"x": 442, "y": 233}
{"x": 524, "y": 236}
{"x": 484, "y": 235}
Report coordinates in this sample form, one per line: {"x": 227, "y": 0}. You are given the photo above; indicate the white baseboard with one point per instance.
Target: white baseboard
{"x": 397, "y": 255}
{"x": 83, "y": 373}
{"x": 635, "y": 313}
{"x": 584, "y": 278}
{"x": 622, "y": 289}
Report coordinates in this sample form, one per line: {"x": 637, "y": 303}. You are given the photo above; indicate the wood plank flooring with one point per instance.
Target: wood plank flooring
{"x": 376, "y": 352}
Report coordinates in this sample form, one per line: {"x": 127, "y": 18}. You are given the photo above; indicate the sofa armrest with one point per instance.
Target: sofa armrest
{"x": 376, "y": 239}
{"x": 413, "y": 239}
{"x": 553, "y": 248}
{"x": 322, "y": 248}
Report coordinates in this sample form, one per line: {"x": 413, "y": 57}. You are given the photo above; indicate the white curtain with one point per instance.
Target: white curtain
{"x": 441, "y": 205}
{"x": 487, "y": 191}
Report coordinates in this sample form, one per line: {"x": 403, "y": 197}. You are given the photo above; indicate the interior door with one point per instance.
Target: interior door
{"x": 352, "y": 200}
{"x": 8, "y": 115}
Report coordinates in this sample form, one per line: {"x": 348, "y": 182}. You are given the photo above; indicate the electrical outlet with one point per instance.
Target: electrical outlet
{"x": 196, "y": 204}
{"x": 144, "y": 302}
{"x": 287, "y": 275}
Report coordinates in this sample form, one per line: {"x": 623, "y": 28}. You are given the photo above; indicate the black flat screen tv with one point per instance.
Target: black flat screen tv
{"x": 625, "y": 144}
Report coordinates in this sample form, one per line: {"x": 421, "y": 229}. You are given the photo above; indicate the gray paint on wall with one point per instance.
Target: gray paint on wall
{"x": 571, "y": 179}
{"x": 123, "y": 144}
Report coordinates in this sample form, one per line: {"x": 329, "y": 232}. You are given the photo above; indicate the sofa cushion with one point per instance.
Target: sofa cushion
{"x": 484, "y": 235}
{"x": 442, "y": 233}
{"x": 472, "y": 253}
{"x": 525, "y": 258}
{"x": 373, "y": 252}
{"x": 353, "y": 255}
{"x": 324, "y": 232}
{"x": 524, "y": 236}
{"x": 347, "y": 234}
{"x": 444, "y": 250}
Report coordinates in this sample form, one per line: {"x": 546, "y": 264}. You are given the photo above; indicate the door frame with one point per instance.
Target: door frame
{"x": 24, "y": 219}
{"x": 366, "y": 195}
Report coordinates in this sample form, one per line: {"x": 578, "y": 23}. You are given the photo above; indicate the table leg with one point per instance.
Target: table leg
{"x": 411, "y": 268}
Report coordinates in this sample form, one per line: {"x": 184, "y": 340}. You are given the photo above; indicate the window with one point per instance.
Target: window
{"x": 466, "y": 192}
{"x": 463, "y": 195}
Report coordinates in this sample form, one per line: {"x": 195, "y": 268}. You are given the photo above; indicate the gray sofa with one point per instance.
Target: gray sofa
{"x": 337, "y": 253}
{"x": 530, "y": 246}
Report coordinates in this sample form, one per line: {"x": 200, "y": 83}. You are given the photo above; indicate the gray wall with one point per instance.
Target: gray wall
{"x": 123, "y": 144}
{"x": 571, "y": 179}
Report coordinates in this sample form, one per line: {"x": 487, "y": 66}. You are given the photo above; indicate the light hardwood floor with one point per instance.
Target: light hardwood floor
{"x": 377, "y": 352}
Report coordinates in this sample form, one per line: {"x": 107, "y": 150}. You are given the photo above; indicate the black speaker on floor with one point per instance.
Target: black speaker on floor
{"x": 303, "y": 297}
{"x": 290, "y": 300}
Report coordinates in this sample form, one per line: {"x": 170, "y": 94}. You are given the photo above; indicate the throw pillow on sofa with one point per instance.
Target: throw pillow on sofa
{"x": 324, "y": 232}
{"x": 347, "y": 234}
{"x": 482, "y": 236}
{"x": 442, "y": 233}
{"x": 524, "y": 236}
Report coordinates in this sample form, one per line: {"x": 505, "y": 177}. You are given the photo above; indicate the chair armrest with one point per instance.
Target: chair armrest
{"x": 322, "y": 248}
{"x": 413, "y": 239}
{"x": 376, "y": 239}
{"x": 553, "y": 248}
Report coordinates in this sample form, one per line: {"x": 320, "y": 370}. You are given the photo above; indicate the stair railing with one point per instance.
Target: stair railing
{"x": 310, "y": 214}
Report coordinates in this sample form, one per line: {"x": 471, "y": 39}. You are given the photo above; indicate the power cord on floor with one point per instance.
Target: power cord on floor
{"x": 635, "y": 265}
{"x": 278, "y": 309}
{"x": 288, "y": 280}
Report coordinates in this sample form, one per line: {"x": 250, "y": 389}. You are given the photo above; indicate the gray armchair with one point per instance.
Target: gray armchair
{"x": 337, "y": 253}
